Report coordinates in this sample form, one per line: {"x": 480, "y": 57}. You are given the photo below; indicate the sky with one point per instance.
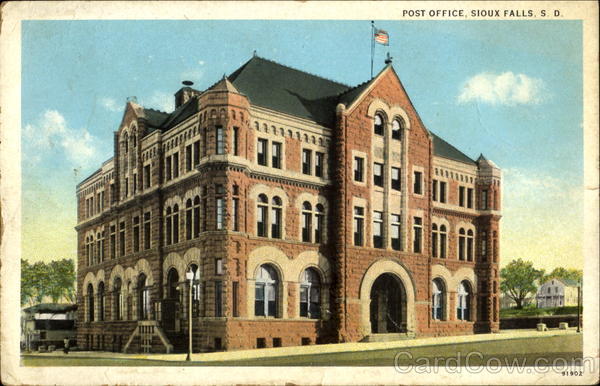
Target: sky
{"x": 511, "y": 90}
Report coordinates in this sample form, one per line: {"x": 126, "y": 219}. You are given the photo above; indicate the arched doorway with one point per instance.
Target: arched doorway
{"x": 387, "y": 305}
{"x": 172, "y": 284}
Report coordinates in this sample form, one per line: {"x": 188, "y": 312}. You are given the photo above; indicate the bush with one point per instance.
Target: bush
{"x": 534, "y": 311}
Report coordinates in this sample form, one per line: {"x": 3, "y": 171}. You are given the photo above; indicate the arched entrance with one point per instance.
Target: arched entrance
{"x": 172, "y": 284}
{"x": 387, "y": 305}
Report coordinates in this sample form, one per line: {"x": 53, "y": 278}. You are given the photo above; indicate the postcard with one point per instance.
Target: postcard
{"x": 299, "y": 192}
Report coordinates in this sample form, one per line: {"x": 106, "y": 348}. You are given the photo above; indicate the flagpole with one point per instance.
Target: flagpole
{"x": 372, "y": 45}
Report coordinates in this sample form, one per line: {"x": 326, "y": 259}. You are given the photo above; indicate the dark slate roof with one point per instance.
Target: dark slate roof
{"x": 277, "y": 87}
{"x": 51, "y": 308}
{"x": 349, "y": 96}
{"x": 570, "y": 282}
{"x": 443, "y": 149}
{"x": 181, "y": 113}
{"x": 155, "y": 118}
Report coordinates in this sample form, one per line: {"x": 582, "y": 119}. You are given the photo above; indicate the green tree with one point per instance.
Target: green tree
{"x": 55, "y": 279}
{"x": 62, "y": 277}
{"x": 518, "y": 280}
{"x": 563, "y": 273}
{"x": 26, "y": 283}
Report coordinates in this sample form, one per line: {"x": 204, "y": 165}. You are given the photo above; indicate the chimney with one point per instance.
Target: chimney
{"x": 184, "y": 94}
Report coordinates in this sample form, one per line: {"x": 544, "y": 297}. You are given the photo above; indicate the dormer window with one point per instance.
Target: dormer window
{"x": 378, "y": 124}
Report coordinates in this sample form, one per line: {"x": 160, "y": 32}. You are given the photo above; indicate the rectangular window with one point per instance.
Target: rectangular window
{"x": 396, "y": 178}
{"x": 395, "y": 231}
{"x": 126, "y": 190}
{"x": 168, "y": 165}
{"x": 204, "y": 213}
{"x": 235, "y": 141}
{"x": 204, "y": 142}
{"x": 434, "y": 190}
{"x": 113, "y": 193}
{"x": 218, "y": 299}
{"x": 147, "y": 230}
{"x": 306, "y": 161}
{"x": 417, "y": 183}
{"x": 318, "y": 227}
{"x": 113, "y": 241}
{"x": 196, "y": 153}
{"x": 261, "y": 221}
{"x": 276, "y": 223}
{"x": 442, "y": 192}
{"x": 235, "y": 202}
{"x": 358, "y": 169}
{"x": 122, "y": 238}
{"x": 220, "y": 141}
{"x": 134, "y": 185}
{"x": 276, "y": 155}
{"x": 136, "y": 234}
{"x": 359, "y": 219}
{"x": 220, "y": 214}
{"x": 146, "y": 176}
{"x": 483, "y": 246}
{"x": 261, "y": 152}
{"x": 461, "y": 196}
{"x": 319, "y": 159}
{"x": 378, "y": 229}
{"x": 218, "y": 266}
{"x": 235, "y": 298}
{"x": 306, "y": 225}
{"x": 175, "y": 165}
{"x": 470, "y": 198}
{"x": 417, "y": 236}
{"x": 188, "y": 158}
{"x": 378, "y": 174}
{"x": 484, "y": 199}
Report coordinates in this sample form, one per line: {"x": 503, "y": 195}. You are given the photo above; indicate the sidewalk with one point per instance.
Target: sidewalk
{"x": 320, "y": 349}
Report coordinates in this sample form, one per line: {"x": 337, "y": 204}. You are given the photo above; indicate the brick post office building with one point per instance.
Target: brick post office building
{"x": 309, "y": 211}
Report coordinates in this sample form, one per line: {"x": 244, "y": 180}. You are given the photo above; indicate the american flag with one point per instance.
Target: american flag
{"x": 382, "y": 37}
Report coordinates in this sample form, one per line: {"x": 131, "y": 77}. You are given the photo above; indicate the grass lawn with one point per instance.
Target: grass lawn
{"x": 568, "y": 347}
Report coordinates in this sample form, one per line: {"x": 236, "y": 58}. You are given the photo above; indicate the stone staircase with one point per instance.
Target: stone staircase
{"x": 148, "y": 337}
{"x": 389, "y": 337}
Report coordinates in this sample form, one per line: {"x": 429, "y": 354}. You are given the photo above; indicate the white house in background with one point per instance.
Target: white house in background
{"x": 557, "y": 293}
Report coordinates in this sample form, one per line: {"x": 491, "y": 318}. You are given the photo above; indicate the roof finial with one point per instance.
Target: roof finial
{"x": 388, "y": 60}
{"x": 254, "y": 53}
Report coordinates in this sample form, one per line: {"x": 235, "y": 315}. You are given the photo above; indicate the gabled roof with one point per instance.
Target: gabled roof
{"x": 277, "y": 87}
{"x": 443, "y": 149}
{"x": 569, "y": 282}
{"x": 290, "y": 91}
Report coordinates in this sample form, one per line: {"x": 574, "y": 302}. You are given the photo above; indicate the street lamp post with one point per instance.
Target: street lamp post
{"x": 578, "y": 307}
{"x": 190, "y": 276}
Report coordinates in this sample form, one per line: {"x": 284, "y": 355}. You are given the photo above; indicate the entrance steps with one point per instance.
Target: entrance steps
{"x": 388, "y": 337}
{"x": 148, "y": 337}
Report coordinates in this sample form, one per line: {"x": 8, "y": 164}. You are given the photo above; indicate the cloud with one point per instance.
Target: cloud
{"x": 160, "y": 101}
{"x": 502, "y": 89}
{"x": 111, "y": 105}
{"x": 201, "y": 62}
{"x": 51, "y": 132}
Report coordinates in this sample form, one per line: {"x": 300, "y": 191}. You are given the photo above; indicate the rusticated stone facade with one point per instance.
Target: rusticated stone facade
{"x": 307, "y": 216}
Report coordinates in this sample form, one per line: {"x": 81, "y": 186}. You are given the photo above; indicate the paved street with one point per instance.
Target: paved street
{"x": 507, "y": 346}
